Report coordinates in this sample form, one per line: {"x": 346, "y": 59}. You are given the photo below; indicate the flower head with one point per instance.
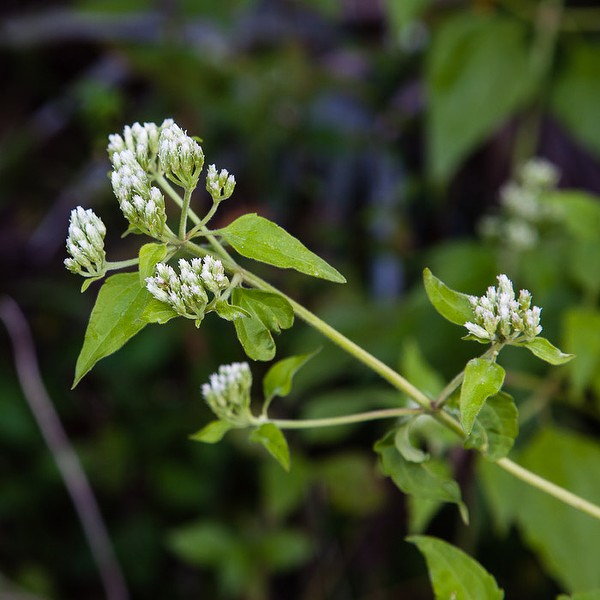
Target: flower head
{"x": 181, "y": 158}
{"x": 228, "y": 393}
{"x": 186, "y": 292}
{"x": 141, "y": 140}
{"x": 220, "y": 185}
{"x": 85, "y": 243}
{"x": 499, "y": 316}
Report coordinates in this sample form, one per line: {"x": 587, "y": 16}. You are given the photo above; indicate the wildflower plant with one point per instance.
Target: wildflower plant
{"x": 193, "y": 271}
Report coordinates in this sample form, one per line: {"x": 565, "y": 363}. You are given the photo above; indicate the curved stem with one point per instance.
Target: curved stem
{"x": 121, "y": 264}
{"x": 185, "y": 208}
{"x": 374, "y": 415}
{"x": 549, "y": 488}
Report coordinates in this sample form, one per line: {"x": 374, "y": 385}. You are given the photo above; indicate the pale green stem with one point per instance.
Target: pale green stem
{"x": 373, "y": 415}
{"x": 549, "y": 488}
{"x": 121, "y": 264}
{"x": 185, "y": 208}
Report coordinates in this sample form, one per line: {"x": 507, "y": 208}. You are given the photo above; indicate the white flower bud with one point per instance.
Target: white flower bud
{"x": 181, "y": 158}
{"x": 85, "y": 243}
{"x": 228, "y": 393}
{"x": 220, "y": 185}
{"x": 213, "y": 275}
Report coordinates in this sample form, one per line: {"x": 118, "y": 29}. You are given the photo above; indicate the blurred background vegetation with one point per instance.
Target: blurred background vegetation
{"x": 379, "y": 132}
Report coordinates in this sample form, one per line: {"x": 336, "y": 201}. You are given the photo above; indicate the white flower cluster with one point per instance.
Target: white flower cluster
{"x": 228, "y": 393}
{"x": 186, "y": 293}
{"x": 522, "y": 212}
{"x": 501, "y": 317}
{"x": 220, "y": 185}
{"x": 142, "y": 140}
{"x": 85, "y": 243}
{"x": 181, "y": 158}
{"x": 142, "y": 204}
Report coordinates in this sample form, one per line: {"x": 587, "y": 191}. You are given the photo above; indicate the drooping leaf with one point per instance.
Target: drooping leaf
{"x": 575, "y": 92}
{"x": 496, "y": 427}
{"x": 88, "y": 281}
{"x": 229, "y": 312}
{"x": 211, "y": 433}
{"x": 405, "y": 446}
{"x": 482, "y": 379}
{"x": 543, "y": 349}
{"x": 158, "y": 312}
{"x": 477, "y": 74}
{"x": 115, "y": 319}
{"x": 279, "y": 377}
{"x": 260, "y": 239}
{"x": 422, "y": 480}
{"x": 274, "y": 441}
{"x": 455, "y": 574}
{"x": 268, "y": 312}
{"x": 453, "y": 306}
{"x": 150, "y": 255}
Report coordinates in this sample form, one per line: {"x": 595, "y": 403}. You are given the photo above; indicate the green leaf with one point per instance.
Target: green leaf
{"x": 229, "y": 312}
{"x": 278, "y": 380}
{"x": 496, "y": 427}
{"x": 418, "y": 371}
{"x": 591, "y": 595}
{"x": 268, "y": 312}
{"x": 454, "y": 574}
{"x": 543, "y": 349}
{"x": 423, "y": 480}
{"x": 582, "y": 336}
{"x": 577, "y": 211}
{"x": 477, "y": 75}
{"x": 115, "y": 319}
{"x": 402, "y": 13}
{"x": 274, "y": 441}
{"x": 150, "y": 255}
{"x": 453, "y": 306}
{"x": 566, "y": 540}
{"x": 284, "y": 549}
{"x": 212, "y": 433}
{"x": 404, "y": 444}
{"x": 88, "y": 281}
{"x": 158, "y": 312}
{"x": 482, "y": 379}
{"x": 574, "y": 99}
{"x": 203, "y": 543}
{"x": 260, "y": 239}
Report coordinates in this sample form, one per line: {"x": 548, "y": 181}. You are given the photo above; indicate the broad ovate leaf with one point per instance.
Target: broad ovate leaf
{"x": 260, "y": 239}
{"x": 453, "y": 573}
{"x": 278, "y": 380}
{"x": 271, "y": 437}
{"x": 482, "y": 379}
{"x": 452, "y": 305}
{"x": 496, "y": 427}
{"x": 115, "y": 319}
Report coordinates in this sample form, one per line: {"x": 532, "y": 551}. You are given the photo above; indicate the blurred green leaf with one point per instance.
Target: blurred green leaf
{"x": 284, "y": 491}
{"x": 482, "y": 379}
{"x": 402, "y": 13}
{"x": 496, "y": 427}
{"x": 453, "y": 306}
{"x": 203, "y": 543}
{"x": 279, "y": 377}
{"x": 284, "y": 549}
{"x": 591, "y": 595}
{"x": 477, "y": 75}
{"x": 454, "y": 574}
{"x": 575, "y": 93}
{"x": 405, "y": 446}
{"x": 271, "y": 437}
{"x": 578, "y": 212}
{"x": 418, "y": 371}
{"x": 260, "y": 239}
{"x": 581, "y": 335}
{"x": 211, "y": 433}
{"x": 115, "y": 319}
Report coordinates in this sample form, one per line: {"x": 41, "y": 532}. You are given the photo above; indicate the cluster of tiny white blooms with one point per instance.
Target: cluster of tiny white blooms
{"x": 538, "y": 173}
{"x": 186, "y": 293}
{"x": 142, "y": 140}
{"x": 85, "y": 243}
{"x": 142, "y": 204}
{"x": 228, "y": 393}
{"x": 220, "y": 185}
{"x": 181, "y": 158}
{"x": 501, "y": 317}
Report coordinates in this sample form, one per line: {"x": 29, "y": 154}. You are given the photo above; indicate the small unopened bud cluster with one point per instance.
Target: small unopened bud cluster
{"x": 85, "y": 243}
{"x": 220, "y": 185}
{"x": 181, "y": 158}
{"x": 142, "y": 204}
{"x": 522, "y": 211}
{"x": 141, "y": 140}
{"x": 501, "y": 317}
{"x": 228, "y": 393}
{"x": 185, "y": 292}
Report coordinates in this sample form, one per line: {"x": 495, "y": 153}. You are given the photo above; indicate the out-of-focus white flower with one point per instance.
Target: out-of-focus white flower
{"x": 228, "y": 393}
{"x": 85, "y": 243}
{"x": 220, "y": 185}
{"x": 181, "y": 158}
{"x": 539, "y": 174}
{"x": 501, "y": 317}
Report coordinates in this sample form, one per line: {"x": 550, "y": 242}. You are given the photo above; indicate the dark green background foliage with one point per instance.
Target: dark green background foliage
{"x": 378, "y": 133}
